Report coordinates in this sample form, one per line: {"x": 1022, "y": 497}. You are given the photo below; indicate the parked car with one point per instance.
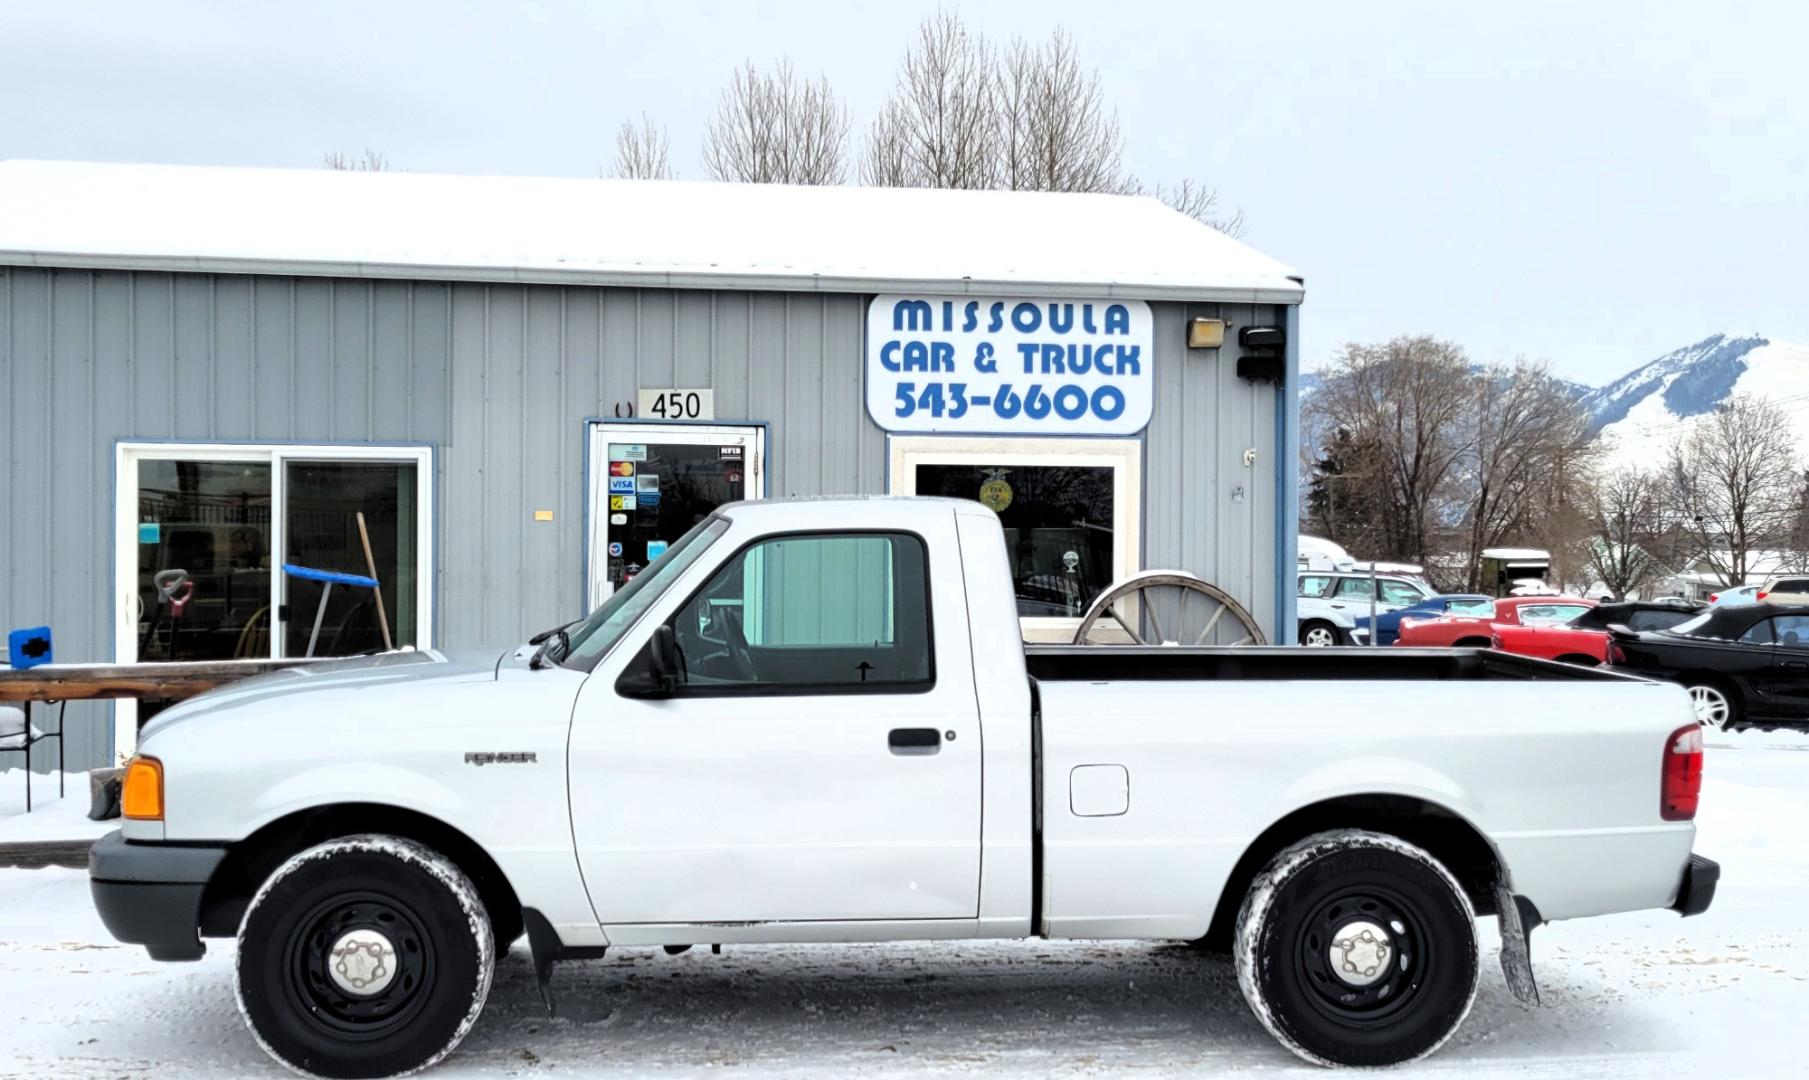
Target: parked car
{"x": 1331, "y": 606}
{"x": 815, "y": 721}
{"x": 1744, "y": 663}
{"x": 1788, "y": 589}
{"x": 1388, "y": 624}
{"x": 1478, "y": 631}
{"x": 1584, "y": 639}
{"x": 1736, "y": 594}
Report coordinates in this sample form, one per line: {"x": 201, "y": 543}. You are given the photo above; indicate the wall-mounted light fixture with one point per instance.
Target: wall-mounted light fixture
{"x": 1205, "y": 333}
{"x": 1263, "y": 358}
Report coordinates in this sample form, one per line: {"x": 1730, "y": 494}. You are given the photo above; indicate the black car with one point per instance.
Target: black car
{"x": 1742, "y": 664}
{"x": 1636, "y": 615}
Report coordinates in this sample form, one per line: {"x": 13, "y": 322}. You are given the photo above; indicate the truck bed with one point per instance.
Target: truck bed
{"x": 1097, "y": 663}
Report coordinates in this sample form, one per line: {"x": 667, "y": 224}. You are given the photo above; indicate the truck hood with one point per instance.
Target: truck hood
{"x": 385, "y": 670}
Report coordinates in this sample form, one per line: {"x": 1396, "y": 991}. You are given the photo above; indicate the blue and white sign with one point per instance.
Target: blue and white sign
{"x": 995, "y": 365}
{"x": 621, "y": 485}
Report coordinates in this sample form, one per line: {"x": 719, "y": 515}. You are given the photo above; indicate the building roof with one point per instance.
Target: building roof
{"x": 674, "y": 234}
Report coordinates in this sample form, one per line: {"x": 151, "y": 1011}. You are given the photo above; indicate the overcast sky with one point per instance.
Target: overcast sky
{"x": 1589, "y": 183}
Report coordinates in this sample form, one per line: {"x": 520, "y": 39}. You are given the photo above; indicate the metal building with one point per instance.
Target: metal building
{"x": 526, "y": 388}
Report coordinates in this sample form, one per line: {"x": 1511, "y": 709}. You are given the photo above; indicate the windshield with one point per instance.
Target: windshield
{"x": 600, "y": 630}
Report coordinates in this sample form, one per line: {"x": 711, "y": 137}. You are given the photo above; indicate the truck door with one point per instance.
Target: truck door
{"x": 819, "y": 758}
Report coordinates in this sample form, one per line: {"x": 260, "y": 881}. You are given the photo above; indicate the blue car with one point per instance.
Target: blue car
{"x": 1388, "y": 624}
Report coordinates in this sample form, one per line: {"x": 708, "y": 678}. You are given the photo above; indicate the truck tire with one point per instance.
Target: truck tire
{"x": 362, "y": 957}
{"x": 1356, "y": 948}
{"x": 1319, "y": 634}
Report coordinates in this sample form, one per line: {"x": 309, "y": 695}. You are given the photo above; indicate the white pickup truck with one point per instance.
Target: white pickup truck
{"x": 816, "y": 722}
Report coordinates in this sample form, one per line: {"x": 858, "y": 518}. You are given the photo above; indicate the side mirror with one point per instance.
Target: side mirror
{"x": 653, "y": 673}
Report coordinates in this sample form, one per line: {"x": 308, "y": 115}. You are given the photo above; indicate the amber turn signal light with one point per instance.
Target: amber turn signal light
{"x": 141, "y": 793}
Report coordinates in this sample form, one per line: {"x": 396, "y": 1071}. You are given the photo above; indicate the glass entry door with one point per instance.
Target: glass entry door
{"x": 651, "y": 482}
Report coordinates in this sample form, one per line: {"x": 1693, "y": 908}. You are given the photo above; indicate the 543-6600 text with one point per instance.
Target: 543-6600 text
{"x": 952, "y": 400}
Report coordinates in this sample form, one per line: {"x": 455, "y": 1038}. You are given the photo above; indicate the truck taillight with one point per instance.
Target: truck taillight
{"x": 1681, "y": 788}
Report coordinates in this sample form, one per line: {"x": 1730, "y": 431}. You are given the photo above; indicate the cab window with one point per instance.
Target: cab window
{"x": 1355, "y": 588}
{"x": 1314, "y": 584}
{"x": 813, "y": 613}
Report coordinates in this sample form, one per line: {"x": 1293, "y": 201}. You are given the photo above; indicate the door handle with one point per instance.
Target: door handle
{"x": 907, "y": 741}
{"x": 1798, "y": 664}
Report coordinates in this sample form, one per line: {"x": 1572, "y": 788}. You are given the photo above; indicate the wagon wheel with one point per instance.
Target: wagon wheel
{"x": 1214, "y": 602}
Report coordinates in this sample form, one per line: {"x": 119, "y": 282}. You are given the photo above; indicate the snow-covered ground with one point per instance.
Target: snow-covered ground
{"x": 1638, "y": 995}
{"x": 51, "y": 817}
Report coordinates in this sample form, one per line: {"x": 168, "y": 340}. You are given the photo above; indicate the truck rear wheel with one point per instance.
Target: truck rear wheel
{"x": 1356, "y": 948}
{"x": 362, "y": 957}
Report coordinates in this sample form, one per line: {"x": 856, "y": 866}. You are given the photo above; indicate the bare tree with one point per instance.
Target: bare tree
{"x": 1404, "y": 403}
{"x": 774, "y": 129}
{"x": 1056, "y": 133}
{"x": 642, "y": 151}
{"x": 1628, "y": 531}
{"x": 940, "y": 127}
{"x": 1796, "y": 537}
{"x": 1733, "y": 482}
{"x": 370, "y": 161}
{"x": 1525, "y": 432}
{"x": 1197, "y": 201}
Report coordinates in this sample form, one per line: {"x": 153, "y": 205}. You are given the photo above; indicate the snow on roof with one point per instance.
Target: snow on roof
{"x": 628, "y": 232}
{"x": 1517, "y": 554}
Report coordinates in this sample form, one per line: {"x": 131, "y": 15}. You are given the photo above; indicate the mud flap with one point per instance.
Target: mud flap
{"x": 1518, "y": 917}
{"x": 544, "y": 944}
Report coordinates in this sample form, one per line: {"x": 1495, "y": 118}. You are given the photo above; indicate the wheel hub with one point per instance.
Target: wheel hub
{"x": 362, "y": 962}
{"x": 1360, "y": 953}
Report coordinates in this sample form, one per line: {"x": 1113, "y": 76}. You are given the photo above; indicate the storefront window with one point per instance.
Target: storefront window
{"x": 1058, "y": 521}
{"x": 203, "y": 553}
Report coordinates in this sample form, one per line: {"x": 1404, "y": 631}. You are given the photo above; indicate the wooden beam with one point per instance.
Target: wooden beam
{"x": 146, "y": 682}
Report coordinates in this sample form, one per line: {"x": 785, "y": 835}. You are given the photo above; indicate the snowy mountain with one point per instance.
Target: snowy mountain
{"x": 1639, "y": 415}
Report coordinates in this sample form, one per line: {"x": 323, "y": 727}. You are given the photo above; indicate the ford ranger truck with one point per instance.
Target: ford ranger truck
{"x": 816, "y": 721}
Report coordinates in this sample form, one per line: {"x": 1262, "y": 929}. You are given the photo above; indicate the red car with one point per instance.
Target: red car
{"x": 1584, "y": 640}
{"x": 1479, "y": 631}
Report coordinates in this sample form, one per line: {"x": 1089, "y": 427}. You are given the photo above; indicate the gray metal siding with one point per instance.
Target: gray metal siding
{"x": 1193, "y": 462}
{"x": 499, "y": 379}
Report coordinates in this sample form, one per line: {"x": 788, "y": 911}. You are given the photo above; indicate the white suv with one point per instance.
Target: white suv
{"x": 1786, "y": 589}
{"x": 1333, "y": 608}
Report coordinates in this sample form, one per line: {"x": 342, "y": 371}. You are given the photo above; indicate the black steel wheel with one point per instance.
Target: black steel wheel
{"x": 363, "y": 957}
{"x": 1355, "y": 948}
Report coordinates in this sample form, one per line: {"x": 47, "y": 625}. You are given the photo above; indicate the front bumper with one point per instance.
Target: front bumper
{"x": 150, "y": 894}
{"x": 1697, "y": 891}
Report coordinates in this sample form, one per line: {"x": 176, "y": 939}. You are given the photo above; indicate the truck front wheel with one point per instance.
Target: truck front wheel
{"x": 1357, "y": 948}
{"x": 362, "y": 957}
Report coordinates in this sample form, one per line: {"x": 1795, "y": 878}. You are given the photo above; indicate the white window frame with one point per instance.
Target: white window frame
{"x": 1123, "y": 456}
{"x": 127, "y": 455}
